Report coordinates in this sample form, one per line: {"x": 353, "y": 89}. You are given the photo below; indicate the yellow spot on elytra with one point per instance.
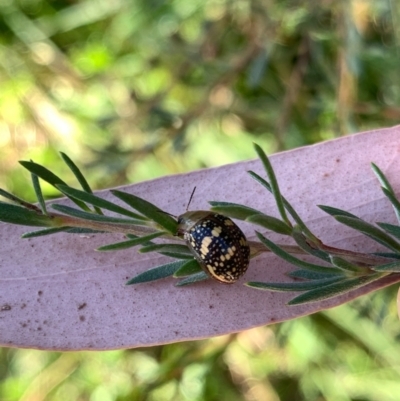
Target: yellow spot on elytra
{"x": 230, "y": 251}
{"x": 222, "y": 257}
{"x": 227, "y": 256}
{"x": 216, "y": 231}
{"x": 206, "y": 241}
{"x": 204, "y": 250}
{"x": 228, "y": 222}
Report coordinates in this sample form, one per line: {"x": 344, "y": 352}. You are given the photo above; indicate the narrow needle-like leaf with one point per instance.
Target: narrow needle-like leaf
{"x": 293, "y": 260}
{"x": 288, "y": 207}
{"x": 176, "y": 255}
{"x": 393, "y": 267}
{"x": 273, "y": 182}
{"x": 333, "y": 211}
{"x": 79, "y": 176}
{"x": 389, "y": 255}
{"x": 371, "y": 231}
{"x": 270, "y": 223}
{"x": 394, "y": 201}
{"x": 166, "y": 248}
{"x": 19, "y": 215}
{"x": 301, "y": 241}
{"x": 188, "y": 269}
{"x": 38, "y": 192}
{"x": 296, "y": 286}
{"x": 55, "y": 230}
{"x": 47, "y": 231}
{"x": 387, "y": 189}
{"x": 381, "y": 177}
{"x": 20, "y": 201}
{"x": 70, "y": 211}
{"x": 130, "y": 243}
{"x": 332, "y": 290}
{"x": 310, "y": 275}
{"x": 391, "y": 229}
{"x": 97, "y": 201}
{"x": 157, "y": 273}
{"x": 149, "y": 210}
{"x": 77, "y": 173}
{"x": 194, "y": 278}
{"x": 345, "y": 265}
{"x": 51, "y": 178}
{"x": 233, "y": 210}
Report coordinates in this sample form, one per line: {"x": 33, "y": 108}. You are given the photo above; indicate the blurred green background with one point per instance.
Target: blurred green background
{"x": 138, "y": 89}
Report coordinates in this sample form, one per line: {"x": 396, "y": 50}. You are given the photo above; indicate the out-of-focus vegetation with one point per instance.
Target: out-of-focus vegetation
{"x": 143, "y": 88}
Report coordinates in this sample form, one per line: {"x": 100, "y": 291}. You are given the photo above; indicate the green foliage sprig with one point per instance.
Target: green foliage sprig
{"x": 338, "y": 271}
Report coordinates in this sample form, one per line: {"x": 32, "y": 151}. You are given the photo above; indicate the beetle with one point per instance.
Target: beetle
{"x": 217, "y": 243}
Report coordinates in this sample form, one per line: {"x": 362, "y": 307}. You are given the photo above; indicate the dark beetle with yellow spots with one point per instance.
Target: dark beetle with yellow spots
{"x": 217, "y": 243}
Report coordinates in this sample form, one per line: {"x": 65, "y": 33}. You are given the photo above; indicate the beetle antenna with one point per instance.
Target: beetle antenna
{"x": 190, "y": 199}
